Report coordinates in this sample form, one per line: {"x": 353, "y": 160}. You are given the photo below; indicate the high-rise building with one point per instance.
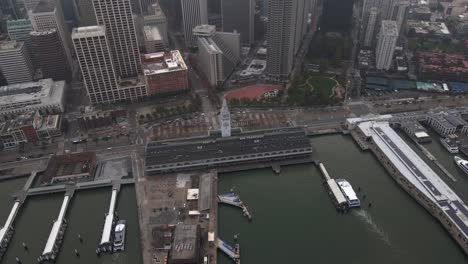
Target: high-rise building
{"x": 284, "y": 35}
{"x": 369, "y": 34}
{"x": 19, "y": 30}
{"x": 194, "y": 13}
{"x": 94, "y": 56}
{"x": 49, "y": 54}
{"x": 48, "y": 15}
{"x": 239, "y": 15}
{"x": 218, "y": 52}
{"x": 99, "y": 75}
{"x": 400, "y": 15}
{"x": 156, "y": 17}
{"x": 386, "y": 45}
{"x": 86, "y": 14}
{"x": 116, "y": 16}
{"x": 15, "y": 63}
{"x": 11, "y": 8}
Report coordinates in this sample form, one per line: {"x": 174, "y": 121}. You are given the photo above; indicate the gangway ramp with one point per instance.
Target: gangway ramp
{"x": 228, "y": 249}
{"x": 105, "y": 245}
{"x": 55, "y": 239}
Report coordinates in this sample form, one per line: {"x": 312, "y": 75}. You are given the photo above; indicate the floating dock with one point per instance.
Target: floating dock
{"x": 56, "y": 235}
{"x": 105, "y": 245}
{"x": 232, "y": 252}
{"x": 334, "y": 191}
{"x": 234, "y": 200}
{"x": 6, "y": 232}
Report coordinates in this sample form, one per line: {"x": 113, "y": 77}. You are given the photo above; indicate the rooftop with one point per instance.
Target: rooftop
{"x": 82, "y": 32}
{"x": 10, "y": 45}
{"x": 221, "y": 150}
{"x": 162, "y": 62}
{"x": 42, "y": 91}
{"x": 390, "y": 28}
{"x": 152, "y": 33}
{"x": 204, "y": 30}
{"x": 185, "y": 242}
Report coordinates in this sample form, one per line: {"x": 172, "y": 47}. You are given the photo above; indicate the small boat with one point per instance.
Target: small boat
{"x": 450, "y": 145}
{"x": 462, "y": 164}
{"x": 348, "y": 192}
{"x": 119, "y": 236}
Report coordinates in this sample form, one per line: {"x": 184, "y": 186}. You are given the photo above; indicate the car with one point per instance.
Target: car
{"x": 109, "y": 148}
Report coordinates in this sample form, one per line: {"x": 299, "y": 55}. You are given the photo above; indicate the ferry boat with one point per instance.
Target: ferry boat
{"x": 450, "y": 145}
{"x": 119, "y": 236}
{"x": 463, "y": 164}
{"x": 348, "y": 191}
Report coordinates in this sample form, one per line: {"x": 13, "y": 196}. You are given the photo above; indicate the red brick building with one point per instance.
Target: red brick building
{"x": 165, "y": 72}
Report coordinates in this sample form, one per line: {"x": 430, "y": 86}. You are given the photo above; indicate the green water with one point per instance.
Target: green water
{"x": 85, "y": 216}
{"x": 295, "y": 222}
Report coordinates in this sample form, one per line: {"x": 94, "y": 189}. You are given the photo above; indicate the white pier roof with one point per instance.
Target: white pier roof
{"x": 9, "y": 220}
{"x": 106, "y": 232}
{"x": 49, "y": 248}
{"x": 417, "y": 172}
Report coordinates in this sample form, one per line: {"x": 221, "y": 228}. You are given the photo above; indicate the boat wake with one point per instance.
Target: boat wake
{"x": 364, "y": 215}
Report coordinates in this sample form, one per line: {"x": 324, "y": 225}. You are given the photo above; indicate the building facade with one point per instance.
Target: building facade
{"x": 15, "y": 62}
{"x": 388, "y": 37}
{"x": 50, "y": 55}
{"x": 239, "y": 15}
{"x": 194, "y": 13}
{"x": 116, "y": 16}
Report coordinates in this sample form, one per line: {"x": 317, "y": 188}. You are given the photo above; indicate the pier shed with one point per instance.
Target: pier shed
{"x": 185, "y": 248}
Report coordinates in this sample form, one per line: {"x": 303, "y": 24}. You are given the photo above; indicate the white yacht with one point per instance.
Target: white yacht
{"x": 348, "y": 191}
{"x": 463, "y": 164}
{"x": 119, "y": 236}
{"x": 450, "y": 145}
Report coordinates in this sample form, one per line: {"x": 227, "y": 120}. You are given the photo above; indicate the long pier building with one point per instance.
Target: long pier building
{"x": 212, "y": 151}
{"x": 417, "y": 178}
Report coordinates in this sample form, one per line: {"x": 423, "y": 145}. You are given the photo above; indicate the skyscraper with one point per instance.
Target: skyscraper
{"x": 370, "y": 29}
{"x": 48, "y": 15}
{"x": 146, "y": 5}
{"x": 239, "y": 15}
{"x": 49, "y": 54}
{"x": 99, "y": 75}
{"x": 386, "y": 45}
{"x": 400, "y": 15}
{"x": 284, "y": 35}
{"x": 86, "y": 14}
{"x": 15, "y": 63}
{"x": 30, "y": 4}
{"x": 116, "y": 16}
{"x": 194, "y": 13}
{"x": 94, "y": 56}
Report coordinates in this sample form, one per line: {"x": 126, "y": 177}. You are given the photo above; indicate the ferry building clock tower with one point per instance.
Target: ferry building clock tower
{"x": 225, "y": 118}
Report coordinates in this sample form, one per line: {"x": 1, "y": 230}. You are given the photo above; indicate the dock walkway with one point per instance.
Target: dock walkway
{"x": 56, "y": 235}
{"x": 105, "y": 245}
{"x": 234, "y": 200}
